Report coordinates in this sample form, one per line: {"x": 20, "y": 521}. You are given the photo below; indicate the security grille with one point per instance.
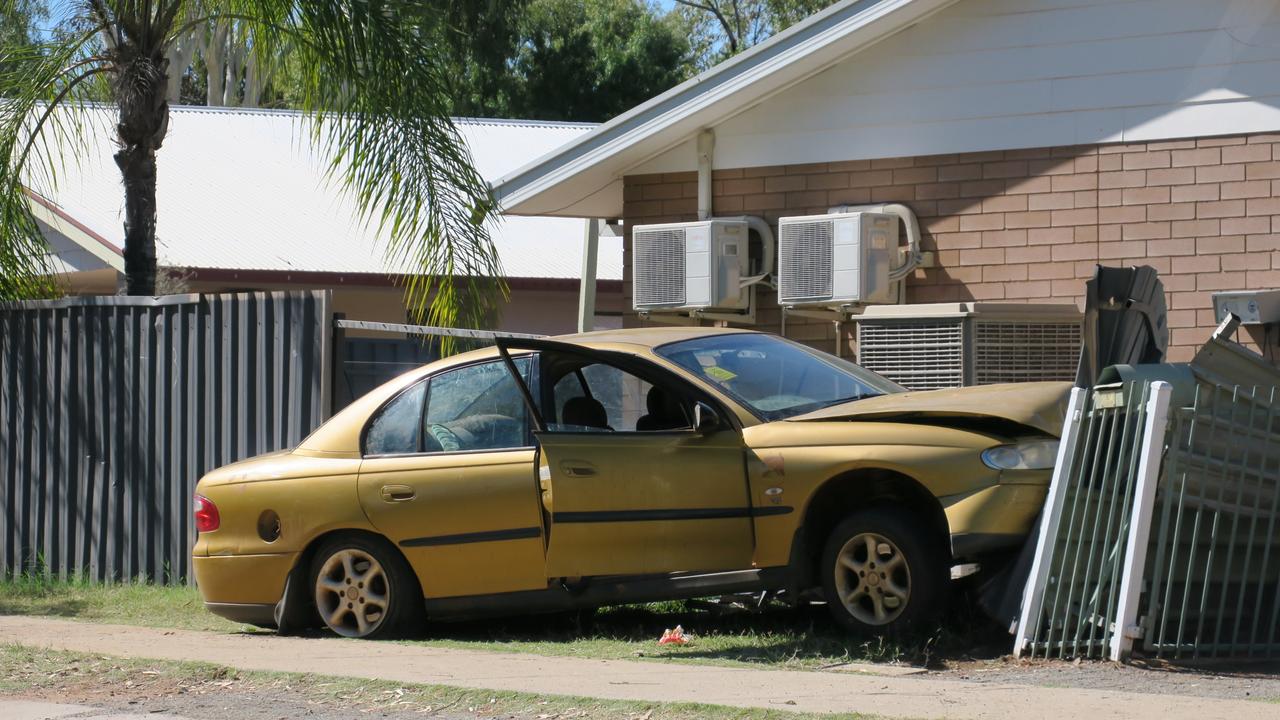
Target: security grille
{"x": 1013, "y": 351}
{"x": 805, "y": 251}
{"x": 917, "y": 355}
{"x": 659, "y": 267}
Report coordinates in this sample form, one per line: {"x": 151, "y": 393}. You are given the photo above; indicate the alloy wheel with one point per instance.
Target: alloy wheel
{"x": 352, "y": 593}
{"x": 873, "y": 579}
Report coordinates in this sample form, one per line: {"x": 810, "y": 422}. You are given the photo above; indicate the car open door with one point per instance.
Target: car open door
{"x": 655, "y": 494}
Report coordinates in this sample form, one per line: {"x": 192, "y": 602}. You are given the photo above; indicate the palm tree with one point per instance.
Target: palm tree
{"x": 372, "y": 85}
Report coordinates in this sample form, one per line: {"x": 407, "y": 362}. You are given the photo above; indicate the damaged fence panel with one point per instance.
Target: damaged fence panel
{"x": 1072, "y": 604}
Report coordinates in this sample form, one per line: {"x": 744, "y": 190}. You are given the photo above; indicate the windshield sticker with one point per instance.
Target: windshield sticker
{"x": 719, "y": 373}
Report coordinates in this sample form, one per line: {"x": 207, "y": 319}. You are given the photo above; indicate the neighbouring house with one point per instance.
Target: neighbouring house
{"x": 1034, "y": 139}
{"x": 244, "y": 204}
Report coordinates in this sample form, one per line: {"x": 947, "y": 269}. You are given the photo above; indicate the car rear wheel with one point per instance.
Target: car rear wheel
{"x": 882, "y": 571}
{"x": 363, "y": 589}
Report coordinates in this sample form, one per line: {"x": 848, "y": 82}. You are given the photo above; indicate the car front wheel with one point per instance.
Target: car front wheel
{"x": 362, "y": 589}
{"x": 882, "y": 572}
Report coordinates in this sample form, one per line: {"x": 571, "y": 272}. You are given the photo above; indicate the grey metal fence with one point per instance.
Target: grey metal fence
{"x": 112, "y": 408}
{"x": 1215, "y": 556}
{"x": 1180, "y": 557}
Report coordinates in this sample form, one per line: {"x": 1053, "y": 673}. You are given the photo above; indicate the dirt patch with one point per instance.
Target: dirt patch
{"x": 1253, "y": 681}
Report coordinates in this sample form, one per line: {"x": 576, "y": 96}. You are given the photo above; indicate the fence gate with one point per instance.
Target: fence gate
{"x": 113, "y": 407}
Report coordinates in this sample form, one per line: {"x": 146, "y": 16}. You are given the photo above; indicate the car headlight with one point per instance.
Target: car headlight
{"x": 1025, "y": 455}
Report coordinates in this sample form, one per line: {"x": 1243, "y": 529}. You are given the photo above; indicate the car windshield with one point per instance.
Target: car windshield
{"x": 775, "y": 378}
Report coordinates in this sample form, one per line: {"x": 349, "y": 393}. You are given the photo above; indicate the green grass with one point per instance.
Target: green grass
{"x": 128, "y": 603}
{"x": 775, "y": 635}
{"x": 75, "y": 675}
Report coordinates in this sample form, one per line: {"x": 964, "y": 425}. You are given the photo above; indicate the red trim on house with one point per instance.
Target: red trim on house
{"x": 46, "y": 204}
{"x": 291, "y": 277}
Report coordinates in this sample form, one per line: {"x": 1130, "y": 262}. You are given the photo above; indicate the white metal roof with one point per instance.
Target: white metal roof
{"x": 585, "y": 176}
{"x": 243, "y": 189}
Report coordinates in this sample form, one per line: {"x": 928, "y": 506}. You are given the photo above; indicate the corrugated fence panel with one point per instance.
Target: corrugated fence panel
{"x": 114, "y": 407}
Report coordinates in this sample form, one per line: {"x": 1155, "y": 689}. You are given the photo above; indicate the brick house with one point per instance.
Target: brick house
{"x": 1034, "y": 139}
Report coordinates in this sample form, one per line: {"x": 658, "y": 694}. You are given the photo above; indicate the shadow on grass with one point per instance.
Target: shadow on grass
{"x": 773, "y": 634}
{"x": 48, "y": 606}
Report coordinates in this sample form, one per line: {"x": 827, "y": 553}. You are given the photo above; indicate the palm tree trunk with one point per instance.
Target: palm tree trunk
{"x": 144, "y": 120}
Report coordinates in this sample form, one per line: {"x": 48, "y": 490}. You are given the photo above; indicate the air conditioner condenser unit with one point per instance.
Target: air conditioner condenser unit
{"x": 942, "y": 345}
{"x": 836, "y": 259}
{"x": 690, "y": 266}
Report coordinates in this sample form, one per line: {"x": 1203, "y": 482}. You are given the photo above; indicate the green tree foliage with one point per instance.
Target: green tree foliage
{"x": 720, "y": 29}
{"x": 369, "y": 76}
{"x": 582, "y": 60}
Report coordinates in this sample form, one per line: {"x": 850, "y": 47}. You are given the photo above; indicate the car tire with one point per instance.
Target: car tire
{"x": 883, "y": 572}
{"x": 363, "y": 588}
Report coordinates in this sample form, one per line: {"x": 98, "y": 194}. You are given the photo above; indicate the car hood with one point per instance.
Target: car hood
{"x": 1041, "y": 405}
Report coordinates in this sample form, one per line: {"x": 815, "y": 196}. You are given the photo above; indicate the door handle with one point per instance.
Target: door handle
{"x": 578, "y": 468}
{"x": 397, "y": 493}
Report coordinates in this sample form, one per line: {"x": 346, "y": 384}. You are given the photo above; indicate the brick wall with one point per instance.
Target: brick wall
{"x": 1030, "y": 225}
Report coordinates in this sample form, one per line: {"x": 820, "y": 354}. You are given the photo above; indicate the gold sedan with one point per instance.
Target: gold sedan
{"x": 627, "y": 466}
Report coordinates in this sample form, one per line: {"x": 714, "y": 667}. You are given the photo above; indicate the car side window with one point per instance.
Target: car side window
{"x": 477, "y": 407}
{"x": 397, "y": 428}
{"x": 613, "y": 400}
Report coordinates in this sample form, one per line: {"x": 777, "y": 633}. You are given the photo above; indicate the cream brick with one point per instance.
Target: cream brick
{"x": 1220, "y": 173}
{"x": 1172, "y": 211}
{"x": 982, "y": 256}
{"x": 1206, "y": 246}
{"x": 1264, "y": 170}
{"x": 1124, "y": 214}
{"x": 1004, "y": 238}
{"x": 1146, "y": 231}
{"x": 1201, "y": 156}
{"x": 1219, "y": 209}
{"x": 1174, "y": 246}
{"x": 1145, "y": 195}
{"x": 1246, "y": 154}
{"x": 1246, "y": 226}
{"x": 1146, "y": 160}
{"x": 1194, "y": 193}
{"x": 1051, "y": 201}
{"x": 1123, "y": 179}
{"x": 1084, "y": 216}
{"x": 982, "y": 222}
{"x": 1247, "y": 189}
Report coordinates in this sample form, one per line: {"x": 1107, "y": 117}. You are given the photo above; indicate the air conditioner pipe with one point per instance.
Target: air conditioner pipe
{"x": 908, "y": 220}
{"x": 767, "y": 244}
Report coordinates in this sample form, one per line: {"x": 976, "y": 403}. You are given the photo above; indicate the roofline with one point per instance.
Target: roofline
{"x": 222, "y": 110}
{"x": 348, "y": 279}
{"x": 79, "y": 233}
{"x": 736, "y": 77}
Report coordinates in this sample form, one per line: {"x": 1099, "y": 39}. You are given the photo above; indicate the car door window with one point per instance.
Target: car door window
{"x": 477, "y": 407}
{"x": 397, "y": 428}
{"x": 602, "y": 398}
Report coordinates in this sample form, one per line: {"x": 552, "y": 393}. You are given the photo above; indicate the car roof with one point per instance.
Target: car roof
{"x": 649, "y": 337}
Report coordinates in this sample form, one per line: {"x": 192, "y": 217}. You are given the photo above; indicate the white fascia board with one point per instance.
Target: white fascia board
{"x": 46, "y": 212}
{"x": 601, "y": 156}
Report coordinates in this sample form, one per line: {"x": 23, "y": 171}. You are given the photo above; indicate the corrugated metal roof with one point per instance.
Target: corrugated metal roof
{"x": 244, "y": 189}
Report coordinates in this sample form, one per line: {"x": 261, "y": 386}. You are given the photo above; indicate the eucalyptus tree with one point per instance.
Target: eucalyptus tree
{"x": 369, "y": 80}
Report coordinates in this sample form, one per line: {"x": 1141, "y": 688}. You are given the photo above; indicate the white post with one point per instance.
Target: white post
{"x": 1135, "y": 552}
{"x": 706, "y": 150}
{"x": 587, "y": 288}
{"x": 1050, "y": 519}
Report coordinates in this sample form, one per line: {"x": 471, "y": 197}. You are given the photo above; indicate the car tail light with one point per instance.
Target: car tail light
{"x": 207, "y": 519}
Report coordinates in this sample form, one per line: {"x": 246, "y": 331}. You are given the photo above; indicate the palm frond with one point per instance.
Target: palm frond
{"x": 378, "y": 96}
{"x": 36, "y": 140}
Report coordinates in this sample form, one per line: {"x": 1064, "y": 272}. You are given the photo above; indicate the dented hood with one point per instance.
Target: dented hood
{"x": 1041, "y": 405}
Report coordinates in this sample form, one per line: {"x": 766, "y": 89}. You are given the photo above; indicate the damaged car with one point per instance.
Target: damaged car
{"x": 626, "y": 466}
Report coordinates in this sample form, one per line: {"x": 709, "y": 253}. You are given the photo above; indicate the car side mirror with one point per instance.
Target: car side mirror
{"x": 705, "y": 418}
